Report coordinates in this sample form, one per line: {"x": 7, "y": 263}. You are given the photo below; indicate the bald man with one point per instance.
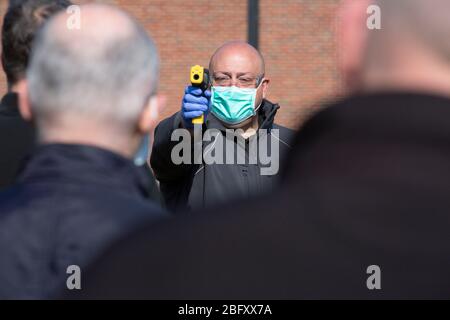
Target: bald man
{"x": 237, "y": 115}
{"x": 364, "y": 208}
{"x": 92, "y": 100}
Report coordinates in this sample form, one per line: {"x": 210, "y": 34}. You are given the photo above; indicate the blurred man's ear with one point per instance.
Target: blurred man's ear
{"x": 352, "y": 40}
{"x": 265, "y": 87}
{"x": 150, "y": 114}
{"x": 21, "y": 88}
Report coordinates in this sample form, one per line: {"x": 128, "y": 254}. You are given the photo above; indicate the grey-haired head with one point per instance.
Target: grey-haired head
{"x": 98, "y": 76}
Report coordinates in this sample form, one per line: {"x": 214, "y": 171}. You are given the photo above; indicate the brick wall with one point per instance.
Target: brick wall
{"x": 297, "y": 41}
{"x": 296, "y": 38}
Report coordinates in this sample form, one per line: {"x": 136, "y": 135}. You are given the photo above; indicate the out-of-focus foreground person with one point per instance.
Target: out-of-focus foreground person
{"x": 92, "y": 99}
{"x": 17, "y": 136}
{"x": 364, "y": 210}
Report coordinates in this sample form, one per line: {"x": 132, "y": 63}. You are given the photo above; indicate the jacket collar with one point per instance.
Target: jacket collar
{"x": 393, "y": 111}
{"x": 9, "y": 105}
{"x": 85, "y": 165}
{"x": 367, "y": 124}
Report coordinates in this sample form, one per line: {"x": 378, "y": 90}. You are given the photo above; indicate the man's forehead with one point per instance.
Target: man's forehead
{"x": 236, "y": 61}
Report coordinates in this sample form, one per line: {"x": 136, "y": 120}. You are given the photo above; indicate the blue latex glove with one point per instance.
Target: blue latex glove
{"x": 195, "y": 103}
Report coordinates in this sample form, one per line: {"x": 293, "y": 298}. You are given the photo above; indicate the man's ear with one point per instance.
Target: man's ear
{"x": 21, "y": 88}
{"x": 265, "y": 87}
{"x": 150, "y": 114}
{"x": 352, "y": 40}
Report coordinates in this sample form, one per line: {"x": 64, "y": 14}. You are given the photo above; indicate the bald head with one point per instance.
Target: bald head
{"x": 237, "y": 56}
{"x": 410, "y": 52}
{"x": 104, "y": 71}
{"x": 426, "y": 22}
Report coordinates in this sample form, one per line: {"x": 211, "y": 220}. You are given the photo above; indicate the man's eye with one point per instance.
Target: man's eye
{"x": 245, "y": 82}
{"x": 221, "y": 79}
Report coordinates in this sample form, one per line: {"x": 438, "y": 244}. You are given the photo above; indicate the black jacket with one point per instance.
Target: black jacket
{"x": 195, "y": 185}
{"x": 368, "y": 184}
{"x": 17, "y": 139}
{"x": 70, "y": 202}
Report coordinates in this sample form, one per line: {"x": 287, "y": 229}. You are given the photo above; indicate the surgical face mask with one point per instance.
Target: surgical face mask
{"x": 233, "y": 105}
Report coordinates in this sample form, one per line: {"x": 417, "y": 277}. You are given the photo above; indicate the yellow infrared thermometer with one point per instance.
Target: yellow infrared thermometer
{"x": 199, "y": 78}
